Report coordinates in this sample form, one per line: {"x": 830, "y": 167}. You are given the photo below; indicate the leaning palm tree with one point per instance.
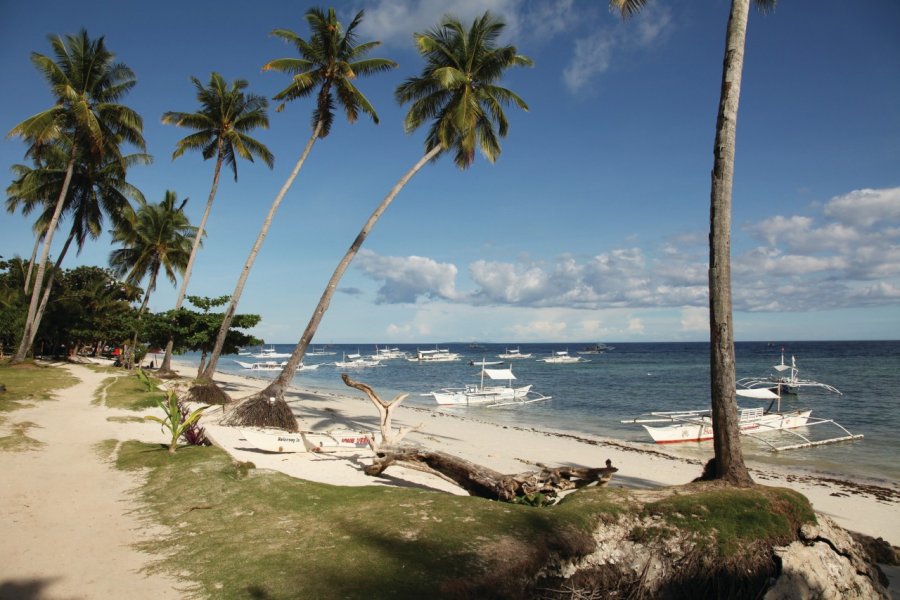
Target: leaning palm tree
{"x": 158, "y": 237}
{"x": 96, "y": 192}
{"x": 728, "y": 455}
{"x": 329, "y": 62}
{"x": 457, "y": 92}
{"x": 86, "y": 84}
{"x": 222, "y": 125}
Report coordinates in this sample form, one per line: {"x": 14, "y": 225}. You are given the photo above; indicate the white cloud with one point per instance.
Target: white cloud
{"x": 405, "y": 279}
{"x": 694, "y": 318}
{"x": 635, "y": 325}
{"x": 808, "y": 262}
{"x": 394, "y": 21}
{"x": 592, "y": 55}
{"x": 539, "y": 330}
{"x": 866, "y": 207}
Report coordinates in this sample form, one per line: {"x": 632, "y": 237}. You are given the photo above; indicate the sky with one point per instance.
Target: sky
{"x": 593, "y": 223}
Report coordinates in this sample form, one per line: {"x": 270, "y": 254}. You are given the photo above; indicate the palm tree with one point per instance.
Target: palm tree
{"x": 329, "y": 62}
{"x": 222, "y": 124}
{"x": 95, "y": 190}
{"x": 729, "y": 458}
{"x": 158, "y": 237}
{"x": 457, "y": 91}
{"x": 86, "y": 84}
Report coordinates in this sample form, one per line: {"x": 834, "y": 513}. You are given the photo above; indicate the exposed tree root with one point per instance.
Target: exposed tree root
{"x": 207, "y": 393}
{"x": 261, "y": 410}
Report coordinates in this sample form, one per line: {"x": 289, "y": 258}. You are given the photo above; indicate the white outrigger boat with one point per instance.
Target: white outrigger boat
{"x": 273, "y": 440}
{"x": 513, "y": 354}
{"x": 488, "y": 395}
{"x": 272, "y": 365}
{"x": 355, "y": 361}
{"x": 436, "y": 355}
{"x": 784, "y": 384}
{"x": 269, "y": 352}
{"x": 562, "y": 357}
{"x": 388, "y": 354}
{"x": 320, "y": 352}
{"x": 696, "y": 425}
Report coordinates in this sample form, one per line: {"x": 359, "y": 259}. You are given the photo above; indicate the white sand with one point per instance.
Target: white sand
{"x": 513, "y": 450}
{"x": 67, "y": 521}
{"x": 73, "y": 523}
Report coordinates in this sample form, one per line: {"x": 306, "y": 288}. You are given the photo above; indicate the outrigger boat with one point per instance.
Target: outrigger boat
{"x": 488, "y": 395}
{"x": 513, "y": 354}
{"x": 272, "y": 440}
{"x": 696, "y": 425}
{"x": 271, "y": 365}
{"x": 562, "y": 357}
{"x": 784, "y": 384}
{"x": 355, "y": 361}
{"x": 269, "y": 352}
{"x": 436, "y": 355}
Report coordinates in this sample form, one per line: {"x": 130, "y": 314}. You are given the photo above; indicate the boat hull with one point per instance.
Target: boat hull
{"x": 271, "y": 440}
{"x": 699, "y": 429}
{"x": 487, "y": 395}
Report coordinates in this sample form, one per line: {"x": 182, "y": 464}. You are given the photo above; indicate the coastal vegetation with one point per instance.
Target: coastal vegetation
{"x": 86, "y": 120}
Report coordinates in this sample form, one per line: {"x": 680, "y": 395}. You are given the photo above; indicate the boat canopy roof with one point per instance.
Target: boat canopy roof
{"x": 499, "y": 373}
{"x": 758, "y": 394}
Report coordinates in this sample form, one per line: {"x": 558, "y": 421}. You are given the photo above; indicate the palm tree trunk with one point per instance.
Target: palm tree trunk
{"x": 31, "y": 324}
{"x": 726, "y": 428}
{"x": 235, "y": 298}
{"x": 49, "y": 285}
{"x": 129, "y": 358}
{"x": 37, "y": 244}
{"x": 167, "y": 358}
{"x": 277, "y": 387}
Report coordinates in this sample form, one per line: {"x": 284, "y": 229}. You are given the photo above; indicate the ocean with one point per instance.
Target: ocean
{"x": 634, "y": 378}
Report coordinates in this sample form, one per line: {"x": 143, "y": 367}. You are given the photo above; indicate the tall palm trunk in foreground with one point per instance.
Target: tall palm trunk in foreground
{"x": 729, "y": 457}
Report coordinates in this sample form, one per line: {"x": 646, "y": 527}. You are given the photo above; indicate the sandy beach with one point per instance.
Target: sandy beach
{"x": 75, "y": 521}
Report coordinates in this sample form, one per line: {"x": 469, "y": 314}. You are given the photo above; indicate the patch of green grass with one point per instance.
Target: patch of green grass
{"x": 126, "y": 419}
{"x": 128, "y": 392}
{"x": 28, "y": 382}
{"x": 245, "y": 533}
{"x": 18, "y": 440}
{"x": 732, "y": 517}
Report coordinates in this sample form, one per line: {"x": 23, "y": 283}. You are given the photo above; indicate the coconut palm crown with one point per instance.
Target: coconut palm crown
{"x": 457, "y": 90}
{"x": 225, "y": 117}
{"x": 329, "y": 62}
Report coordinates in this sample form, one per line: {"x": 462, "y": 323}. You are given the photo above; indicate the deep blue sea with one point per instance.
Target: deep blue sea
{"x": 634, "y": 378}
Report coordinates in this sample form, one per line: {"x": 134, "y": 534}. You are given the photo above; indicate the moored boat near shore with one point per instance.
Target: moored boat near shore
{"x": 697, "y": 426}
{"x": 273, "y": 440}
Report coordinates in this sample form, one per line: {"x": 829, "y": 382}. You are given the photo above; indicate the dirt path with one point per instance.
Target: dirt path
{"x": 67, "y": 522}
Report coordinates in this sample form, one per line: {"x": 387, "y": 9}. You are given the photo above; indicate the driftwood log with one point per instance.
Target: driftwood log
{"x": 486, "y": 483}
{"x": 385, "y": 410}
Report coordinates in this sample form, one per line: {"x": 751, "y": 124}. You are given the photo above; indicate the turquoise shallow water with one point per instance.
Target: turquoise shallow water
{"x": 634, "y": 378}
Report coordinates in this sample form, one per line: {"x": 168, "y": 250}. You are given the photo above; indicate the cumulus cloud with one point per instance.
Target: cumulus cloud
{"x": 407, "y": 278}
{"x": 803, "y": 263}
{"x": 866, "y": 207}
